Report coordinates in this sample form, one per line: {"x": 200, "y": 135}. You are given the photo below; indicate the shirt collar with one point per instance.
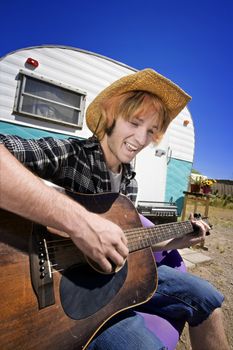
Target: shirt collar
{"x": 127, "y": 169}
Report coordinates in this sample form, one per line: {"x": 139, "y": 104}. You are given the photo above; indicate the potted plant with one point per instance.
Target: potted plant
{"x": 195, "y": 183}
{"x": 206, "y": 185}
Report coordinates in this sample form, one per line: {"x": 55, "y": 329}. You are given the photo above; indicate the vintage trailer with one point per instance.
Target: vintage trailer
{"x": 45, "y": 90}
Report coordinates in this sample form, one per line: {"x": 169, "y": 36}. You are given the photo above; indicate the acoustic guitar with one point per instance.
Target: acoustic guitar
{"x": 52, "y": 298}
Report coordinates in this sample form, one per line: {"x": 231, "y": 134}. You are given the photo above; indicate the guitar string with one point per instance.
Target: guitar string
{"x": 131, "y": 234}
{"x": 55, "y": 267}
{"x": 134, "y": 232}
{"x": 133, "y": 243}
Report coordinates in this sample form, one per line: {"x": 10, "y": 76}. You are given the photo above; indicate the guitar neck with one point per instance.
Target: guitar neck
{"x": 148, "y": 237}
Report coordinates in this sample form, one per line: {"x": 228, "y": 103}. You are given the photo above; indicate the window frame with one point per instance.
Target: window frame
{"x": 20, "y": 93}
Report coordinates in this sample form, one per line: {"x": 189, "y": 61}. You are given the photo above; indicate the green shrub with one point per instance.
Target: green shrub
{"x": 224, "y": 201}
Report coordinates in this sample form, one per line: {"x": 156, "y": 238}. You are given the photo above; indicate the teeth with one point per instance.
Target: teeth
{"x": 130, "y": 147}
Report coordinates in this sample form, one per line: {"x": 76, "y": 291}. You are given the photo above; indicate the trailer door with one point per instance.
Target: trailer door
{"x": 151, "y": 169}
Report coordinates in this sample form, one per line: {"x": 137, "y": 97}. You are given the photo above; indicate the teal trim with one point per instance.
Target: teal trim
{"x": 28, "y": 132}
{"x": 178, "y": 172}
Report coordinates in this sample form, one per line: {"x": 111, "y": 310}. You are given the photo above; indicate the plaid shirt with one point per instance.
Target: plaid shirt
{"x": 77, "y": 165}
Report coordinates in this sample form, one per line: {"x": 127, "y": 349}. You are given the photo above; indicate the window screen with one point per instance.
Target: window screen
{"x": 40, "y": 98}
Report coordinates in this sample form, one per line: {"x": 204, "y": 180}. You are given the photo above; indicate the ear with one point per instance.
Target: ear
{"x": 109, "y": 129}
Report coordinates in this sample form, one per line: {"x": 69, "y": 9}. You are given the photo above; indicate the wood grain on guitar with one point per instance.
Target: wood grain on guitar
{"x": 51, "y": 298}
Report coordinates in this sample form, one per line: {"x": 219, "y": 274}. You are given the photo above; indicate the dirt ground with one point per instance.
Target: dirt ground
{"x": 219, "y": 270}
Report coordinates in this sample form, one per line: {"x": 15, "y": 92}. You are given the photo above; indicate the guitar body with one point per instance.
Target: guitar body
{"x": 64, "y": 309}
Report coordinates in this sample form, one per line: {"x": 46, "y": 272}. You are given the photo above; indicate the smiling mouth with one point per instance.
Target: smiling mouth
{"x": 131, "y": 148}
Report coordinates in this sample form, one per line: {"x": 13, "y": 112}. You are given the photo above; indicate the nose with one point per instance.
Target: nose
{"x": 141, "y": 136}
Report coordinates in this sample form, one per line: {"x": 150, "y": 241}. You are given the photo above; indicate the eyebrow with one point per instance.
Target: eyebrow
{"x": 142, "y": 120}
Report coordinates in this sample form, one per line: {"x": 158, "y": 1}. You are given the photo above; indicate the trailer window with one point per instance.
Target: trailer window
{"x": 44, "y": 99}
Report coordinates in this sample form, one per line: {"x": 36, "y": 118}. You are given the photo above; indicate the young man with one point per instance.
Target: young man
{"x": 124, "y": 118}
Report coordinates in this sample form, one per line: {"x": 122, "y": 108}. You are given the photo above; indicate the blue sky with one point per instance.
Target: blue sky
{"x": 190, "y": 42}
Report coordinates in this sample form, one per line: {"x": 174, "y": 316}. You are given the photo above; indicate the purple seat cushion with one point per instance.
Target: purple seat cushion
{"x": 163, "y": 329}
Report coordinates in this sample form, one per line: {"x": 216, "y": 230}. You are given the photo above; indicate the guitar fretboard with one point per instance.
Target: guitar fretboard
{"x": 148, "y": 237}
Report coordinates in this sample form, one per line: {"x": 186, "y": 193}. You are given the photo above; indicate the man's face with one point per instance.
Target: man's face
{"x": 128, "y": 138}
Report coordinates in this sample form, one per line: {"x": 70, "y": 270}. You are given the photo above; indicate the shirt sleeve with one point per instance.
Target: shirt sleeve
{"x": 45, "y": 156}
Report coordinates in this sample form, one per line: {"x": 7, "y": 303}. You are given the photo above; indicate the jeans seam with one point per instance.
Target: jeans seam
{"x": 180, "y": 299}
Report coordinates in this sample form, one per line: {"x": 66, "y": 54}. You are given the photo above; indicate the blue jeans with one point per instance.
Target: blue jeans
{"x": 126, "y": 332}
{"x": 180, "y": 297}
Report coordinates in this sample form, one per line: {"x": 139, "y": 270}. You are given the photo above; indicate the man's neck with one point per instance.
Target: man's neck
{"x": 116, "y": 170}
{"x": 112, "y": 163}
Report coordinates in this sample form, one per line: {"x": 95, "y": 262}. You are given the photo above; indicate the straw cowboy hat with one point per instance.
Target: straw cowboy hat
{"x": 173, "y": 97}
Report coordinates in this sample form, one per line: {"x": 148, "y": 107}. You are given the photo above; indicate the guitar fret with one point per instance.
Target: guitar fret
{"x": 145, "y": 237}
{"x": 141, "y": 237}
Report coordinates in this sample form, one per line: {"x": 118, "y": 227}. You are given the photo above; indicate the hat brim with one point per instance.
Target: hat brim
{"x": 173, "y": 97}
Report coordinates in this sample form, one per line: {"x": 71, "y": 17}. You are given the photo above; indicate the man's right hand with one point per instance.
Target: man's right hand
{"x": 101, "y": 240}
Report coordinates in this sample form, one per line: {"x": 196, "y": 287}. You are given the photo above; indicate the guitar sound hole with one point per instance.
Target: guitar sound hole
{"x": 84, "y": 291}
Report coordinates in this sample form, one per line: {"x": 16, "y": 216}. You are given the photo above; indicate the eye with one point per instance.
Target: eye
{"x": 151, "y": 132}
{"x": 134, "y": 123}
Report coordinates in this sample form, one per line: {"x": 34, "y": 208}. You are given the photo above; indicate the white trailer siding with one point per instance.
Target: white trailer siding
{"x": 181, "y": 137}
{"x": 91, "y": 73}
{"x": 75, "y": 68}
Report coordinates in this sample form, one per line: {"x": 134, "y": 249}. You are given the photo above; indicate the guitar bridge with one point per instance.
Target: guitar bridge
{"x": 40, "y": 269}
